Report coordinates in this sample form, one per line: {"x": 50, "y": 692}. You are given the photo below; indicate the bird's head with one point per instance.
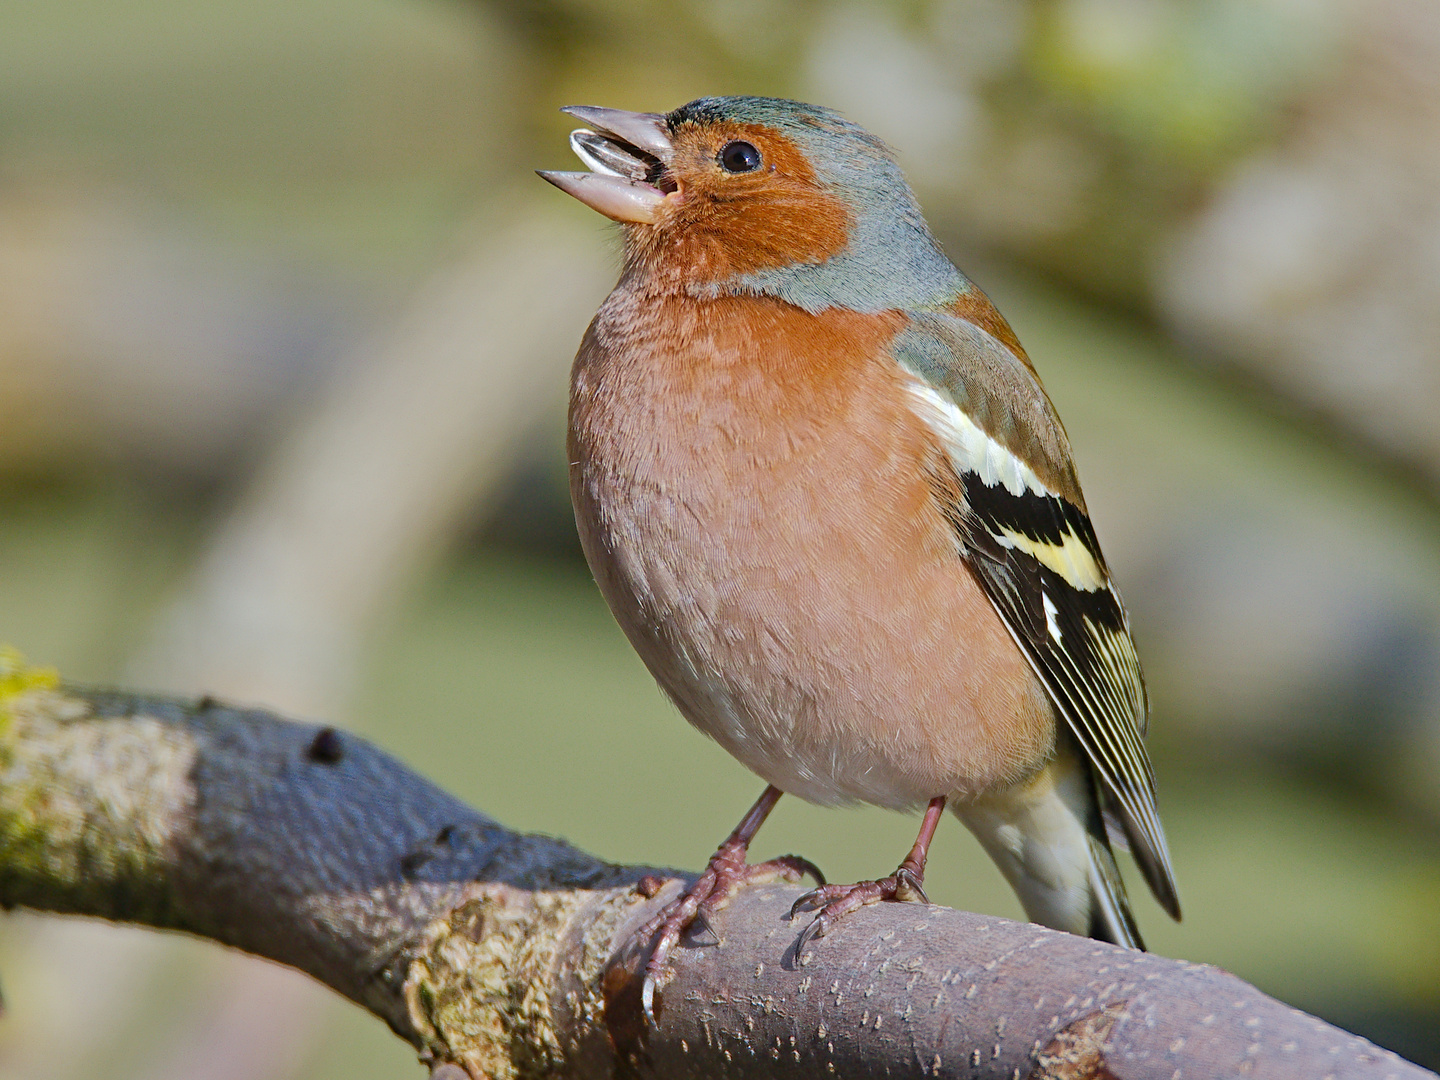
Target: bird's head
{"x": 735, "y": 195}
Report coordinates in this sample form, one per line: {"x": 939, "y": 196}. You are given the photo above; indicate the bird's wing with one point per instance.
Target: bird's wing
{"x": 1024, "y": 531}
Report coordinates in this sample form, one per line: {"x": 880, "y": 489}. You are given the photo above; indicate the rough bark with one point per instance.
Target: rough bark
{"x": 512, "y": 956}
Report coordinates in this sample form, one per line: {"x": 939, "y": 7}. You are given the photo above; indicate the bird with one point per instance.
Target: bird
{"x": 825, "y": 495}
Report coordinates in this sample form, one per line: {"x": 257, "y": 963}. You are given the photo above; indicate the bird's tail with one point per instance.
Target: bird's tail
{"x": 1048, "y": 837}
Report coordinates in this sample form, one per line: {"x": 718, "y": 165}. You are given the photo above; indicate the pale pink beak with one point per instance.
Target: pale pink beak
{"x": 627, "y": 153}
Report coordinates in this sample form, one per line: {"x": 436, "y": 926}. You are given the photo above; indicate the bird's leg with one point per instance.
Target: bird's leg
{"x": 727, "y": 872}
{"x": 907, "y": 883}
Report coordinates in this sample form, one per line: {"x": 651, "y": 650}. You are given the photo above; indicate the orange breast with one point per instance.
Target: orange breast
{"x": 753, "y": 495}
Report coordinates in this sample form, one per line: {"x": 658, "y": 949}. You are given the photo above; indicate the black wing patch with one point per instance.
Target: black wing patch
{"x": 1038, "y": 561}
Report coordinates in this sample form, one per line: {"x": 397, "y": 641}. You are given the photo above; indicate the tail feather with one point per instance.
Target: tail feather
{"x": 1110, "y": 917}
{"x": 1048, "y": 838}
{"x": 1155, "y": 865}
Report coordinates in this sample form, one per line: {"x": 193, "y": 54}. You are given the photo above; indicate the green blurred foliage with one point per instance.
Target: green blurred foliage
{"x": 1176, "y": 79}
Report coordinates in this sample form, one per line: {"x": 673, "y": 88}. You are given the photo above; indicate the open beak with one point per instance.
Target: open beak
{"x": 627, "y": 153}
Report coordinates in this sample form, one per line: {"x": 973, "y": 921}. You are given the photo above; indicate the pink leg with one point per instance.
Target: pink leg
{"x": 907, "y": 883}
{"x": 726, "y": 873}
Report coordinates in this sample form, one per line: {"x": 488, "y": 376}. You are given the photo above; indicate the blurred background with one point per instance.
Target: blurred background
{"x": 285, "y": 324}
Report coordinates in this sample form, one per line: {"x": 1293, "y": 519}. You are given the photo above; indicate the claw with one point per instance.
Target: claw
{"x": 805, "y": 900}
{"x": 816, "y": 929}
{"x": 647, "y": 1000}
{"x": 805, "y": 866}
{"x": 702, "y": 924}
{"x": 908, "y": 887}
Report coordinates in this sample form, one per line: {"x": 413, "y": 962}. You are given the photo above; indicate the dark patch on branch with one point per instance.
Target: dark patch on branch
{"x": 326, "y": 747}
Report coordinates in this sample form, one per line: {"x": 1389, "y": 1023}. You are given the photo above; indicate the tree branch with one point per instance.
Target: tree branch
{"x": 512, "y": 955}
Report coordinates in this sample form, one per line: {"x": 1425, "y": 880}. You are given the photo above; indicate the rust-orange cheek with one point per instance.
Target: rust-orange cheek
{"x": 728, "y": 225}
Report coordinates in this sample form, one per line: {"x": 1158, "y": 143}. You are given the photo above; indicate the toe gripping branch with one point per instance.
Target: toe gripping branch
{"x": 833, "y": 902}
{"x": 727, "y": 872}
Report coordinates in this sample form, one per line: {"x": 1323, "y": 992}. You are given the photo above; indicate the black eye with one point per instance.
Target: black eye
{"x": 739, "y": 156}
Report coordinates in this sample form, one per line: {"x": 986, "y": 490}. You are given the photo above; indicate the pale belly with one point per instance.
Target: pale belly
{"x": 807, "y": 607}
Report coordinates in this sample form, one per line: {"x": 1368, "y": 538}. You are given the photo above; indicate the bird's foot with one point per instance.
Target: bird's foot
{"x": 832, "y": 903}
{"x": 727, "y": 873}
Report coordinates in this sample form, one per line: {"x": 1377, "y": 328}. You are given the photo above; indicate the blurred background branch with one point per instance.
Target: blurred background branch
{"x": 284, "y": 323}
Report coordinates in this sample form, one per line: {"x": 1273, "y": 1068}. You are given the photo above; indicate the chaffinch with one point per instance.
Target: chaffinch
{"x": 824, "y": 493}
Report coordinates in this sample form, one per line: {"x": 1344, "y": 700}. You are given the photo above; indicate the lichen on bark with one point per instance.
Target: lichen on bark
{"x": 90, "y": 807}
{"x": 498, "y": 983}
